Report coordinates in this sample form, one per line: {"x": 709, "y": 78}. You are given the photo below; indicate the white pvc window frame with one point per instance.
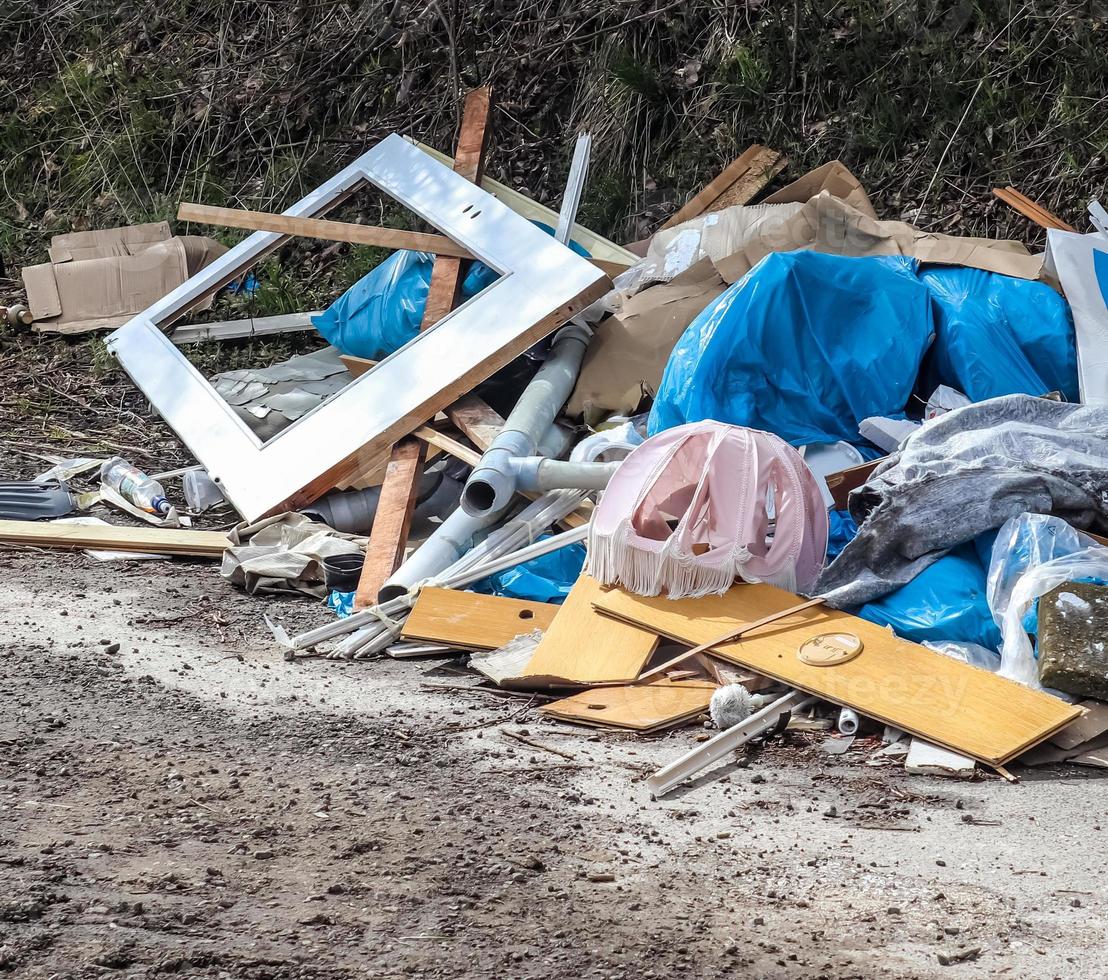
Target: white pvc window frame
{"x": 542, "y": 283}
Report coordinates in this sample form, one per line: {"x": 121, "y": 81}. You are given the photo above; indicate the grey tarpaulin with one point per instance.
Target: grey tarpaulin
{"x": 284, "y": 554}
{"x": 964, "y": 473}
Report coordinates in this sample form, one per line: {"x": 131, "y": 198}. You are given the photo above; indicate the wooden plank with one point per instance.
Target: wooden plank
{"x": 1031, "y": 209}
{"x": 332, "y": 231}
{"x": 737, "y": 183}
{"x": 940, "y": 699}
{"x": 469, "y": 161}
{"x": 583, "y": 647}
{"x": 341, "y": 231}
{"x": 166, "y": 541}
{"x": 1092, "y": 724}
{"x": 639, "y": 707}
{"x": 475, "y": 420}
{"x": 389, "y": 536}
{"x": 605, "y": 254}
{"x": 474, "y": 621}
{"x": 440, "y": 440}
{"x": 764, "y": 166}
{"x": 257, "y": 326}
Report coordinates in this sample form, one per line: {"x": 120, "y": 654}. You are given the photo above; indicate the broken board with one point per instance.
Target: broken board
{"x": 164, "y": 541}
{"x": 583, "y": 647}
{"x": 640, "y": 707}
{"x": 473, "y": 621}
{"x": 942, "y": 700}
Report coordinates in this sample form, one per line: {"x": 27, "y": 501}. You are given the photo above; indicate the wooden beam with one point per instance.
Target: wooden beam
{"x": 469, "y": 161}
{"x": 737, "y": 183}
{"x": 389, "y": 538}
{"x": 1031, "y": 209}
{"x": 332, "y": 231}
{"x": 110, "y": 537}
{"x": 389, "y": 535}
{"x": 341, "y": 231}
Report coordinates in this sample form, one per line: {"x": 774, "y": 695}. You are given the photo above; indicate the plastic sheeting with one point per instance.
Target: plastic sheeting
{"x": 1033, "y": 553}
{"x": 944, "y": 602}
{"x": 963, "y": 474}
{"x": 383, "y": 310}
{"x": 805, "y": 346}
{"x": 547, "y": 578}
{"x": 997, "y": 335}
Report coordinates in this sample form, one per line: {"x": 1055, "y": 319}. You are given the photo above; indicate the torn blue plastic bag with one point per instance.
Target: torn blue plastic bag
{"x": 805, "y": 345}
{"x": 547, "y": 578}
{"x": 383, "y": 310}
{"x": 946, "y": 601}
{"x": 997, "y": 335}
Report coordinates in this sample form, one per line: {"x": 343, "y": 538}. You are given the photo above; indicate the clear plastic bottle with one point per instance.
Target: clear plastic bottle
{"x": 134, "y": 486}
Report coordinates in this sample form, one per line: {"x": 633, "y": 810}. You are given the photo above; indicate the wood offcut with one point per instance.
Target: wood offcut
{"x": 473, "y": 621}
{"x": 945, "y": 701}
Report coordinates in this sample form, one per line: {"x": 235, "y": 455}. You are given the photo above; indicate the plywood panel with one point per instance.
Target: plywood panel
{"x": 925, "y": 693}
{"x": 473, "y": 621}
{"x": 584, "y": 647}
{"x": 641, "y": 707}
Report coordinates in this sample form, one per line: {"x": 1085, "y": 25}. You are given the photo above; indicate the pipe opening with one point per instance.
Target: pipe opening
{"x": 479, "y": 496}
{"x": 389, "y": 592}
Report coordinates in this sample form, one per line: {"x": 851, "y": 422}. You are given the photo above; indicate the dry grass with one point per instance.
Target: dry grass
{"x": 113, "y": 112}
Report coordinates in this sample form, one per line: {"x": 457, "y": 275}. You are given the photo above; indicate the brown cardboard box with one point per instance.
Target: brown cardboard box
{"x": 629, "y": 352}
{"x": 101, "y": 279}
{"x": 832, "y": 177}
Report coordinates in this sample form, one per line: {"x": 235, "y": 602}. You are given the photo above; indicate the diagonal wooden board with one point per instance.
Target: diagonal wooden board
{"x": 583, "y": 647}
{"x": 943, "y": 700}
{"x": 737, "y": 183}
{"x": 388, "y": 539}
{"x": 641, "y": 707}
{"x": 474, "y": 621}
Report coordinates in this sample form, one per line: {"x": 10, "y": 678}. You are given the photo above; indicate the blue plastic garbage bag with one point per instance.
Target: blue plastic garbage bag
{"x": 805, "y": 345}
{"x": 946, "y": 601}
{"x": 997, "y": 335}
{"x": 840, "y": 532}
{"x": 547, "y": 578}
{"x": 383, "y": 310}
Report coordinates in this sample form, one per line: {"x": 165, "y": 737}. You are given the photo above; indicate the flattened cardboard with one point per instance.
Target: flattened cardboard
{"x": 629, "y": 351}
{"x": 77, "y": 295}
{"x": 106, "y": 242}
{"x": 827, "y": 224}
{"x": 833, "y": 177}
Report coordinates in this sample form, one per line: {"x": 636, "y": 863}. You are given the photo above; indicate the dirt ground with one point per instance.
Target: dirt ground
{"x": 177, "y": 799}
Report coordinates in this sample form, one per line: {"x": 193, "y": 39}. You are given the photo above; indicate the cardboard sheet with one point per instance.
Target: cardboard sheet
{"x": 100, "y": 279}
{"x": 629, "y": 351}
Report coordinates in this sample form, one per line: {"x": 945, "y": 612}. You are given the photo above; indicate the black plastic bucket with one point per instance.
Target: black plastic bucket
{"x": 341, "y": 572}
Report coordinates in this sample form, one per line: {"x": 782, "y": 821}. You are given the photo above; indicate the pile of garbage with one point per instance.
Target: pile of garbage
{"x": 782, "y": 461}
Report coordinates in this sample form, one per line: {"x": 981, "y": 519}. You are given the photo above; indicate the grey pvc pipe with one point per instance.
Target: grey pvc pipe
{"x": 493, "y": 480}
{"x": 450, "y": 540}
{"x": 540, "y": 473}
